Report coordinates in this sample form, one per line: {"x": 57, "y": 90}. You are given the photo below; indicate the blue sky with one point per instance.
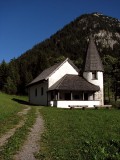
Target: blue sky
{"x": 24, "y": 23}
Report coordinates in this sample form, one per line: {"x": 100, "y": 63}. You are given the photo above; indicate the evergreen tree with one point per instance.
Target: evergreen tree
{"x": 3, "y": 74}
{"x": 10, "y": 87}
{"x": 13, "y": 78}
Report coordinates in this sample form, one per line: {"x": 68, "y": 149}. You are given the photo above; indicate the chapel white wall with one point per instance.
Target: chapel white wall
{"x": 66, "y": 68}
{"x": 66, "y": 104}
{"x": 99, "y": 82}
{"x": 39, "y": 99}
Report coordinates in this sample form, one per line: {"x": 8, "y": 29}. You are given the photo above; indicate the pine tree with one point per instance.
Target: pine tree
{"x": 10, "y": 86}
{"x": 3, "y": 74}
{"x": 13, "y": 78}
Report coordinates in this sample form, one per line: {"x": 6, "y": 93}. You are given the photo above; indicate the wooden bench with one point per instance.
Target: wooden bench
{"x": 97, "y": 106}
{"x": 78, "y": 106}
{"x": 107, "y": 106}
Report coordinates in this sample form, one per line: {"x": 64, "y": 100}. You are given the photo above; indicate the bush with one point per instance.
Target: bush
{"x": 116, "y": 104}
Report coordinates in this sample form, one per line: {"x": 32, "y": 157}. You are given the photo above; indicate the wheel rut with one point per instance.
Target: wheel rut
{"x": 11, "y": 132}
{"x": 31, "y": 145}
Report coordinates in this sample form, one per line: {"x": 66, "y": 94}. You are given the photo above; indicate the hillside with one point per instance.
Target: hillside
{"x": 72, "y": 42}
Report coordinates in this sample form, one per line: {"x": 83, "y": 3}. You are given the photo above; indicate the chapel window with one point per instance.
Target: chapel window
{"x": 42, "y": 91}
{"x": 36, "y": 92}
{"x": 94, "y": 75}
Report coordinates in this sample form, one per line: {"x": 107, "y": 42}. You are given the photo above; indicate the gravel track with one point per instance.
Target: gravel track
{"x": 11, "y": 132}
{"x": 31, "y": 145}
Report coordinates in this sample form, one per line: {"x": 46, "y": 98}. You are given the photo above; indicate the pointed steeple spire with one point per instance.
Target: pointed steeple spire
{"x": 93, "y": 61}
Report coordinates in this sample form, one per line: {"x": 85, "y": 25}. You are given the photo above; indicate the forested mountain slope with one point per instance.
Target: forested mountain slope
{"x": 71, "y": 41}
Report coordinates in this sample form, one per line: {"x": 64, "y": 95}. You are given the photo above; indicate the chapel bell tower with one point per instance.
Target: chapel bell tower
{"x": 93, "y": 70}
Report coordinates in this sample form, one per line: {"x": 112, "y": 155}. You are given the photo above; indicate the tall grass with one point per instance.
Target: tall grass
{"x": 81, "y": 135}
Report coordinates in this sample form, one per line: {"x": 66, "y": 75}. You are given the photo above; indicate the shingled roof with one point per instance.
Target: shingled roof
{"x": 74, "y": 83}
{"x": 93, "y": 61}
{"x": 47, "y": 72}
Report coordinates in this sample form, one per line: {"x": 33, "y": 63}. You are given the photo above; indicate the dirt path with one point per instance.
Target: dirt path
{"x": 31, "y": 145}
{"x": 10, "y": 133}
{"x": 25, "y": 111}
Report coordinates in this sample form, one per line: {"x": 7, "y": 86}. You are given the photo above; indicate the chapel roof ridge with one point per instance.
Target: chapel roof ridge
{"x": 45, "y": 74}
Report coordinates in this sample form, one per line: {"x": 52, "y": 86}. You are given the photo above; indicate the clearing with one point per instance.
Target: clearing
{"x": 91, "y": 134}
{"x": 68, "y": 134}
{"x": 23, "y": 126}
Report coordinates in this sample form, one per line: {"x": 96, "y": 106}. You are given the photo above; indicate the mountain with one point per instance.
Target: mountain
{"x": 106, "y": 31}
{"x": 72, "y": 41}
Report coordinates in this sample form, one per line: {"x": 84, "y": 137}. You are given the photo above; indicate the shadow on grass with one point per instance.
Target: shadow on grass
{"x": 21, "y": 101}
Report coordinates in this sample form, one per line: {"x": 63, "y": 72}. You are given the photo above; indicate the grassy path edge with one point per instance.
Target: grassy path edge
{"x": 15, "y": 142}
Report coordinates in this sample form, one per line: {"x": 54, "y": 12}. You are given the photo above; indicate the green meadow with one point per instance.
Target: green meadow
{"x": 8, "y": 112}
{"x": 91, "y": 134}
{"x": 81, "y": 134}
{"x": 9, "y": 118}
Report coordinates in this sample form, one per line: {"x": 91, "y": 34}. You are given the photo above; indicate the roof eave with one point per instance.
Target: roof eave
{"x": 35, "y": 83}
{"x": 82, "y": 90}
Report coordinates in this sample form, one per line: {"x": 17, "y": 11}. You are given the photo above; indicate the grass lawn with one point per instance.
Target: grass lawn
{"x": 8, "y": 111}
{"x": 17, "y": 140}
{"x": 9, "y": 107}
{"x": 80, "y": 134}
{"x": 69, "y": 134}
